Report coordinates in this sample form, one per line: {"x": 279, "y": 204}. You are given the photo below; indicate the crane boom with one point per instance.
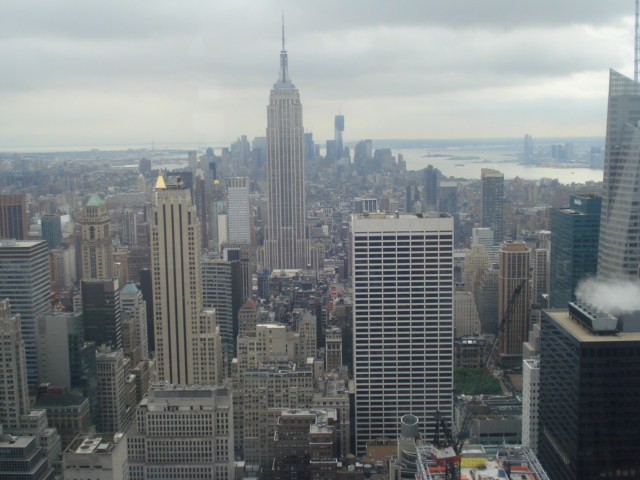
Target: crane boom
{"x": 447, "y": 451}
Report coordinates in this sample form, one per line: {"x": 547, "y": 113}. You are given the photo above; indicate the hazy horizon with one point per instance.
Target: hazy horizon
{"x": 120, "y": 72}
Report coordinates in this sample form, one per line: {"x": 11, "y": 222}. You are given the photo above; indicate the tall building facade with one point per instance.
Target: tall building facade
{"x": 116, "y": 393}
{"x": 182, "y": 432}
{"x": 619, "y": 253}
{"x": 513, "y": 273}
{"x": 339, "y": 128}
{"x": 239, "y": 211}
{"x": 51, "y": 228}
{"x": 187, "y": 339}
{"x": 403, "y": 321}
{"x": 14, "y": 394}
{"x": 129, "y": 227}
{"x": 530, "y": 402}
{"x": 286, "y": 243}
{"x": 97, "y": 261}
{"x": 492, "y": 198}
{"x": 102, "y": 312}
{"x": 588, "y": 396}
{"x": 430, "y": 189}
{"x": 222, "y": 291}
{"x": 13, "y": 217}
{"x": 135, "y": 308}
{"x": 575, "y": 233}
{"x": 24, "y": 280}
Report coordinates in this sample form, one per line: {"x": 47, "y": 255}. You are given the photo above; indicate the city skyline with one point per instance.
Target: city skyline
{"x": 441, "y": 70}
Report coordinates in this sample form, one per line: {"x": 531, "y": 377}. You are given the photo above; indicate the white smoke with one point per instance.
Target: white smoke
{"x": 611, "y": 296}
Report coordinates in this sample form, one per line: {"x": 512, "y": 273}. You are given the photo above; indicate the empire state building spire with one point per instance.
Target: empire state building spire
{"x": 283, "y": 80}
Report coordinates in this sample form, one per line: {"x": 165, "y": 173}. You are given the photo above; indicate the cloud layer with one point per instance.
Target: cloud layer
{"x": 130, "y": 72}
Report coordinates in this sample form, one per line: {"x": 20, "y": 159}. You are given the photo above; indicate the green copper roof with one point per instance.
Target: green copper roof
{"x": 95, "y": 201}
{"x": 130, "y": 289}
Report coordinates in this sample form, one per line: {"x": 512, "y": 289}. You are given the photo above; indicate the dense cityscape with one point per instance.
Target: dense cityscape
{"x": 288, "y": 308}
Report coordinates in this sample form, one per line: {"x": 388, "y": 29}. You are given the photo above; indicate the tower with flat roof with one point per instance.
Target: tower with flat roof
{"x": 24, "y": 280}
{"x": 492, "y": 198}
{"x": 402, "y": 268}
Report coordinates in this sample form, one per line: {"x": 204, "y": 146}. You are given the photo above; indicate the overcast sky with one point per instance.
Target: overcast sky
{"x": 120, "y": 72}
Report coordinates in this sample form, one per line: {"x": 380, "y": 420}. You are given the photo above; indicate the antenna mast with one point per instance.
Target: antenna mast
{"x": 636, "y": 32}
{"x": 636, "y": 65}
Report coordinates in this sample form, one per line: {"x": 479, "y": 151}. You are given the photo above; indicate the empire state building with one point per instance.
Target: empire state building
{"x": 286, "y": 244}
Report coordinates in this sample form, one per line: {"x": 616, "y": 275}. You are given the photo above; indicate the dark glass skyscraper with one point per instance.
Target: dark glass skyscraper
{"x": 430, "y": 189}
{"x": 619, "y": 251}
{"x": 102, "y": 311}
{"x": 588, "y": 410}
{"x": 574, "y": 246}
{"x": 51, "y": 227}
{"x": 492, "y": 187}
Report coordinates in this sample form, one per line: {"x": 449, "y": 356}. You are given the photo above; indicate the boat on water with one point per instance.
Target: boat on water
{"x": 459, "y": 165}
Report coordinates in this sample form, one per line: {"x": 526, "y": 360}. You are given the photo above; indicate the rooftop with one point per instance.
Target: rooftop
{"x": 95, "y": 201}
{"x": 580, "y": 333}
{"x": 130, "y": 289}
{"x": 59, "y": 400}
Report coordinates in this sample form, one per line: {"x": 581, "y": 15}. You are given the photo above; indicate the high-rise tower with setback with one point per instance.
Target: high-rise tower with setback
{"x": 286, "y": 244}
{"x": 619, "y": 251}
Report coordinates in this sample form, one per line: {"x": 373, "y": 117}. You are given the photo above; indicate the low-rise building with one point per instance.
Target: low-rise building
{"x": 98, "y": 457}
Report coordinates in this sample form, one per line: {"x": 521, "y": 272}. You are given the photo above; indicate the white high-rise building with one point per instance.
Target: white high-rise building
{"x": 484, "y": 236}
{"x": 187, "y": 339}
{"x": 402, "y": 268}
{"x": 239, "y": 216}
{"x": 25, "y": 281}
{"x": 286, "y": 244}
{"x": 530, "y": 392}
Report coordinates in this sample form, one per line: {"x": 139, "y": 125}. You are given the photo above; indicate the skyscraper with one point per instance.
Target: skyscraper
{"x": 619, "y": 251}
{"x": 492, "y": 197}
{"x": 430, "y": 189}
{"x": 403, "y": 321}
{"x": 135, "y": 308}
{"x": 412, "y": 196}
{"x": 239, "y": 211}
{"x": 187, "y": 339}
{"x": 286, "y": 245}
{"x": 514, "y": 270}
{"x": 575, "y": 233}
{"x": 51, "y": 228}
{"x": 24, "y": 280}
{"x": 339, "y": 128}
{"x": 97, "y": 261}
{"x": 528, "y": 150}
{"x": 102, "y": 312}
{"x": 129, "y": 226}
{"x": 14, "y": 397}
{"x": 13, "y": 217}
{"x": 587, "y": 401}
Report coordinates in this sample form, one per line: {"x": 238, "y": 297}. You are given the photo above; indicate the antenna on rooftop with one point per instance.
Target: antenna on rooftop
{"x": 637, "y": 46}
{"x": 636, "y": 30}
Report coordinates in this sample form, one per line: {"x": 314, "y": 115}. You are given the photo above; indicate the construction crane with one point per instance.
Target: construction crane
{"x": 446, "y": 450}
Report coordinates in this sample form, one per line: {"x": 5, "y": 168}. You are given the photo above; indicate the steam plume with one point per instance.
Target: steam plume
{"x": 612, "y": 296}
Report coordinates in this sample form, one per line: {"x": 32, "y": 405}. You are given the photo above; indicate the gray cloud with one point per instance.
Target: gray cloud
{"x": 136, "y": 63}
